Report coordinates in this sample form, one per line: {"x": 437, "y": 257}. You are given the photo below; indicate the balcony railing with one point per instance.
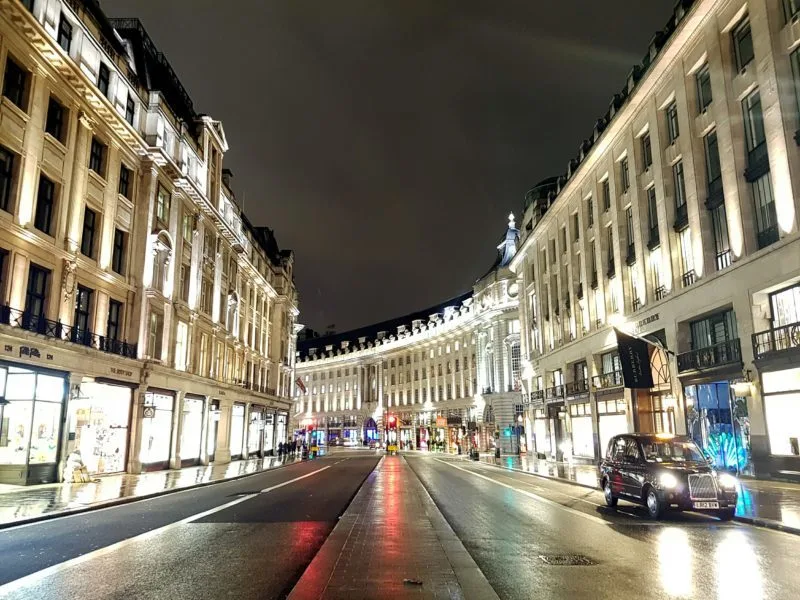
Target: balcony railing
{"x": 577, "y": 387}
{"x": 68, "y": 333}
{"x": 681, "y": 217}
{"x": 777, "y": 340}
{"x": 661, "y": 292}
{"x": 768, "y": 236}
{"x": 607, "y": 380}
{"x": 689, "y": 278}
{"x": 537, "y": 395}
{"x": 726, "y": 353}
{"x": 554, "y": 393}
{"x": 723, "y": 260}
{"x": 636, "y": 303}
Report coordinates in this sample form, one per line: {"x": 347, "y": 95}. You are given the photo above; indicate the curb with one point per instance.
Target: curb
{"x": 754, "y": 521}
{"x": 130, "y": 499}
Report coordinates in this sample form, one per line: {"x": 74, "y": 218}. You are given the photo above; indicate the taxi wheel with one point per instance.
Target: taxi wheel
{"x": 726, "y": 514}
{"x": 609, "y": 495}
{"x": 655, "y": 507}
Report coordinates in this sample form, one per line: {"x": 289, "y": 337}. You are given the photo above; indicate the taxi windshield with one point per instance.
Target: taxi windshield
{"x": 671, "y": 451}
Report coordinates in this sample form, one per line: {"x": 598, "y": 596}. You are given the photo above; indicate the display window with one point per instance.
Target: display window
{"x": 213, "y": 428}
{"x": 98, "y": 420}
{"x": 237, "y": 430}
{"x": 269, "y": 433}
{"x": 782, "y": 407}
{"x": 30, "y": 418}
{"x": 280, "y": 427}
{"x": 612, "y": 420}
{"x": 191, "y": 429}
{"x": 156, "y": 429}
{"x": 255, "y": 429}
{"x": 582, "y": 435}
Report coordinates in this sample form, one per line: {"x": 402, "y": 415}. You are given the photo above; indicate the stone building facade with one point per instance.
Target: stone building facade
{"x": 145, "y": 321}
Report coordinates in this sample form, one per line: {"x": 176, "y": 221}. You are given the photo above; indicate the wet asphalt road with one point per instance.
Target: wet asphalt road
{"x": 508, "y": 520}
{"x": 252, "y": 539}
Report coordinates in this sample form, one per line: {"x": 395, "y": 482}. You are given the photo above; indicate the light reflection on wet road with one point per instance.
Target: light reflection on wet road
{"x": 508, "y": 520}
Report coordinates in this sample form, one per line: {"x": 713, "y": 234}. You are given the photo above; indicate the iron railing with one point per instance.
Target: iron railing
{"x": 725, "y": 353}
{"x": 554, "y": 393}
{"x": 661, "y": 291}
{"x": 607, "y": 380}
{"x": 776, "y": 340}
{"x": 68, "y": 333}
{"x": 723, "y": 260}
{"x": 577, "y": 387}
{"x": 689, "y": 278}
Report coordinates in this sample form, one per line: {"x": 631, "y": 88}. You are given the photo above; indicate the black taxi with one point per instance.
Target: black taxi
{"x": 664, "y": 471}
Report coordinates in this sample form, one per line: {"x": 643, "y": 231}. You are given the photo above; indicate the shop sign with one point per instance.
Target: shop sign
{"x": 220, "y": 392}
{"x": 149, "y": 412}
{"x": 454, "y": 421}
{"x": 123, "y": 372}
{"x": 441, "y": 422}
{"x": 29, "y": 351}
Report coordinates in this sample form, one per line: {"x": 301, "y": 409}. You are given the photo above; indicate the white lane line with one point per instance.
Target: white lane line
{"x": 33, "y": 578}
{"x": 541, "y": 499}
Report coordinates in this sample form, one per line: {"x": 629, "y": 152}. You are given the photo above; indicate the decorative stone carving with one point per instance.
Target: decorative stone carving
{"x": 69, "y": 277}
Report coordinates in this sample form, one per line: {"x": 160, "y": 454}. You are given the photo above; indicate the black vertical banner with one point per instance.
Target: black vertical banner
{"x": 634, "y": 355}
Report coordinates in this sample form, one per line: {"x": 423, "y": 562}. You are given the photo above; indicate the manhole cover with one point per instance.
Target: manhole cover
{"x": 566, "y": 560}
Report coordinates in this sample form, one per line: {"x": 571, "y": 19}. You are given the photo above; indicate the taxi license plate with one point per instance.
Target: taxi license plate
{"x": 706, "y": 505}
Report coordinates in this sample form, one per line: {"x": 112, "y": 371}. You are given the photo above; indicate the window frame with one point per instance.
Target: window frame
{"x": 625, "y": 176}
{"x": 647, "y": 152}
{"x": 739, "y": 33}
{"x": 673, "y": 126}
{"x": 703, "y": 82}
{"x": 64, "y": 33}
{"x": 45, "y": 203}
{"x": 15, "y": 83}
{"x": 88, "y": 232}
{"x": 114, "y": 321}
{"x": 103, "y": 79}
{"x": 7, "y": 179}
{"x": 123, "y": 187}
{"x": 97, "y": 157}
{"x": 38, "y": 296}
{"x": 118, "y": 251}
{"x": 130, "y": 109}
{"x": 54, "y": 121}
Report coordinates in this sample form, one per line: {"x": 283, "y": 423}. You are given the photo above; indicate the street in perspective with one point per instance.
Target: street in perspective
{"x": 537, "y": 334}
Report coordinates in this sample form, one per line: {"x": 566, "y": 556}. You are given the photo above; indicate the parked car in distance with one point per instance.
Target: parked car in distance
{"x": 662, "y": 472}
{"x": 350, "y": 443}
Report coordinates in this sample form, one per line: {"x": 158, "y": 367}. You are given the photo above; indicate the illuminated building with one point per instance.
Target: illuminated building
{"x": 677, "y": 221}
{"x": 449, "y": 373}
{"x": 144, "y": 320}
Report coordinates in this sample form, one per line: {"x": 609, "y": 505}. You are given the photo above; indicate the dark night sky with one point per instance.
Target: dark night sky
{"x": 386, "y": 141}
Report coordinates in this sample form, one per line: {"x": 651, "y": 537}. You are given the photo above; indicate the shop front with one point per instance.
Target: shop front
{"x": 269, "y": 433}
{"x": 781, "y": 391}
{"x": 214, "y": 415}
{"x": 557, "y": 430}
{"x": 718, "y": 422}
{"x": 541, "y": 439}
{"x": 255, "y": 431}
{"x": 612, "y": 419}
{"x": 237, "y": 430}
{"x": 156, "y": 430}
{"x": 281, "y": 424}
{"x": 99, "y": 425}
{"x": 31, "y": 407}
{"x": 192, "y": 430}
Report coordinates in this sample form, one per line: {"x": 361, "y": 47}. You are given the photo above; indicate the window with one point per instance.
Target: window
{"x": 754, "y": 122}
{"x": 89, "y": 228}
{"x": 611, "y": 269}
{"x": 713, "y": 168}
{"x": 606, "y": 195}
{"x": 155, "y": 330}
{"x": 15, "y": 83}
{"x": 206, "y": 295}
{"x": 704, "y": 95}
{"x": 187, "y": 227}
{"x": 766, "y": 216}
{"x": 576, "y": 227}
{"x": 624, "y": 174}
{"x": 28, "y": 4}
{"x": 103, "y": 77}
{"x": 680, "y": 185}
{"x": 162, "y": 207}
{"x": 673, "y": 130}
{"x": 204, "y": 357}
{"x": 54, "y": 124}
{"x": 64, "y": 33}
{"x": 714, "y": 329}
{"x": 114, "y": 321}
{"x": 81, "y": 323}
{"x": 124, "y": 181}
{"x": 564, "y": 239}
{"x": 45, "y": 197}
{"x": 184, "y": 282}
{"x": 652, "y": 217}
{"x": 590, "y": 212}
{"x": 36, "y": 294}
{"x": 6, "y": 178}
{"x": 630, "y": 232}
{"x": 118, "y": 252}
{"x": 647, "y": 151}
{"x": 181, "y": 345}
{"x": 130, "y": 108}
{"x": 743, "y": 44}
{"x": 719, "y": 225}
{"x": 687, "y": 258}
{"x": 593, "y": 263}
{"x": 97, "y": 157}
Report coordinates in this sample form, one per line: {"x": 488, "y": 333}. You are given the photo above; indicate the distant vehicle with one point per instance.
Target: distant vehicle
{"x": 350, "y": 443}
{"x": 373, "y": 444}
{"x": 662, "y": 472}
{"x": 337, "y": 442}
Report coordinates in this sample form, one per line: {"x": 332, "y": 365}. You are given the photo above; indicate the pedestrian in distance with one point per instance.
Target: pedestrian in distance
{"x": 280, "y": 449}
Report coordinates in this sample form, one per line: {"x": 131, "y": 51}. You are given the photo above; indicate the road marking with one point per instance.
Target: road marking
{"x": 529, "y": 494}
{"x": 33, "y": 578}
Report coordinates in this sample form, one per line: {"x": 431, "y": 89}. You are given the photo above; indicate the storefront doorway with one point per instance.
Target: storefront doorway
{"x": 280, "y": 427}
{"x": 612, "y": 419}
{"x": 99, "y": 417}
{"x": 541, "y": 442}
{"x": 582, "y": 434}
{"x": 156, "y": 430}
{"x": 191, "y": 430}
{"x": 31, "y": 405}
{"x": 237, "y": 431}
{"x": 269, "y": 434}
{"x": 557, "y": 417}
{"x": 255, "y": 430}
{"x": 213, "y": 430}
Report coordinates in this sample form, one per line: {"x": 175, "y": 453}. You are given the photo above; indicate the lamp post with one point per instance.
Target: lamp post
{"x": 519, "y": 434}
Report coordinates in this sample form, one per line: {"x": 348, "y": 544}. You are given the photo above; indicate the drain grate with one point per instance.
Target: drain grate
{"x": 566, "y": 560}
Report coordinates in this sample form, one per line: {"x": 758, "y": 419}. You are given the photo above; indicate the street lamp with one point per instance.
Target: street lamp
{"x": 519, "y": 434}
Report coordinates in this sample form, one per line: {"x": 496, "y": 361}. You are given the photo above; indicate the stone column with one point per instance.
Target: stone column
{"x": 135, "y": 446}
{"x": 204, "y": 431}
{"x": 32, "y": 150}
{"x": 177, "y": 431}
{"x": 79, "y": 177}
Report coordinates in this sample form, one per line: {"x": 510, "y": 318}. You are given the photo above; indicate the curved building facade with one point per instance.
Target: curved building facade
{"x": 449, "y": 374}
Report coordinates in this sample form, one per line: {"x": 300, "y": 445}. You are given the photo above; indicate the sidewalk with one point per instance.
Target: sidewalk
{"x": 392, "y": 542}
{"x": 27, "y": 503}
{"x": 769, "y": 503}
